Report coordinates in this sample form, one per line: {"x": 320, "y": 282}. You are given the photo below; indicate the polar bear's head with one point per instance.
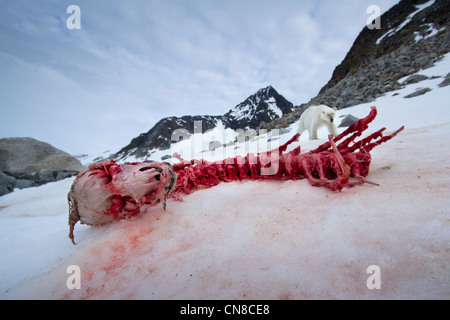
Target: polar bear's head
{"x": 327, "y": 113}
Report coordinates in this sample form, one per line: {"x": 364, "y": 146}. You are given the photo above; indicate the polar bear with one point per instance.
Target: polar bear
{"x": 315, "y": 117}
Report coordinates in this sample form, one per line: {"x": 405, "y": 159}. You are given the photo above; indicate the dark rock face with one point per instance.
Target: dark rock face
{"x": 26, "y": 162}
{"x": 264, "y": 106}
{"x": 412, "y": 37}
{"x": 379, "y": 58}
{"x": 7, "y": 183}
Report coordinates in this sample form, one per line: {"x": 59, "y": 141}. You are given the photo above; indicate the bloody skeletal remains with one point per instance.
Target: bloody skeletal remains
{"x": 109, "y": 191}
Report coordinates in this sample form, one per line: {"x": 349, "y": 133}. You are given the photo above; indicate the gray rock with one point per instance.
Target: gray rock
{"x": 415, "y": 78}
{"x": 213, "y": 145}
{"x": 26, "y": 162}
{"x": 22, "y": 184}
{"x": 339, "y": 101}
{"x": 229, "y": 144}
{"x": 417, "y": 93}
{"x": 424, "y": 62}
{"x": 348, "y": 121}
{"x": 281, "y": 130}
{"x": 46, "y": 176}
{"x": 30, "y": 155}
{"x": 446, "y": 82}
{"x": 6, "y": 183}
{"x": 61, "y": 175}
{"x": 351, "y": 103}
{"x": 166, "y": 157}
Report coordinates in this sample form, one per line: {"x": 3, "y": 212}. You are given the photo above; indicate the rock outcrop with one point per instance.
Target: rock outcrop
{"x": 26, "y": 162}
{"x": 414, "y": 34}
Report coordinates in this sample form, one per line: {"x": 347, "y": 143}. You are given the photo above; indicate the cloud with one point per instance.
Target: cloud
{"x": 135, "y": 62}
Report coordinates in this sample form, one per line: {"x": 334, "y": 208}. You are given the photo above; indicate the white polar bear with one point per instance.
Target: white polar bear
{"x": 315, "y": 117}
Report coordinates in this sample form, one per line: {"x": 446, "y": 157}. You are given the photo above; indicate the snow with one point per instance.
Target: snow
{"x": 272, "y": 105}
{"x": 430, "y": 32}
{"x": 259, "y": 239}
{"x": 250, "y": 105}
{"x": 421, "y": 7}
{"x": 408, "y": 19}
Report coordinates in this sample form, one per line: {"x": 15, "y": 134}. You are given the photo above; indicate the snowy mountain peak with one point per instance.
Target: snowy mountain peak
{"x": 263, "y": 106}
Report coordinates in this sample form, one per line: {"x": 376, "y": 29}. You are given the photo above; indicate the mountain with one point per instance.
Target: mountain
{"x": 264, "y": 106}
{"x": 414, "y": 35}
{"x": 160, "y": 136}
{"x": 258, "y": 109}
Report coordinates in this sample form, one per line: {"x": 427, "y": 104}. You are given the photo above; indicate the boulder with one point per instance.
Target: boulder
{"x": 418, "y": 92}
{"x": 415, "y": 78}
{"x": 446, "y": 82}
{"x": 348, "y": 121}
{"x": 28, "y": 155}
{"x": 26, "y": 162}
{"x": 213, "y": 145}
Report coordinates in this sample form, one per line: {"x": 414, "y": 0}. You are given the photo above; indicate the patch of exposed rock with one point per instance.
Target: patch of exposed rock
{"x": 26, "y": 162}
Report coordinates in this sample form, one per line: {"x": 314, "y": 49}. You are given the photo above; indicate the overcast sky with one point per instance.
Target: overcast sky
{"x": 135, "y": 62}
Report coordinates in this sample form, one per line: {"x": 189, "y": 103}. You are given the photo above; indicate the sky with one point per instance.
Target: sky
{"x": 132, "y": 63}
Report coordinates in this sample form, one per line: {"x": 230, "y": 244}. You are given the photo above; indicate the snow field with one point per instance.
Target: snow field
{"x": 259, "y": 239}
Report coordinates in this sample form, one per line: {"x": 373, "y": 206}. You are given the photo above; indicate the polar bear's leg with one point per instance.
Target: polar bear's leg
{"x": 332, "y": 129}
{"x": 301, "y": 127}
{"x": 313, "y": 131}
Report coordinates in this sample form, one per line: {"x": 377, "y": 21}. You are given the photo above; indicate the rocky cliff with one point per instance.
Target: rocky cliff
{"x": 414, "y": 34}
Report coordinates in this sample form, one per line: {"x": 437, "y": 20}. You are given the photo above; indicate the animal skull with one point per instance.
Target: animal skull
{"x": 109, "y": 191}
